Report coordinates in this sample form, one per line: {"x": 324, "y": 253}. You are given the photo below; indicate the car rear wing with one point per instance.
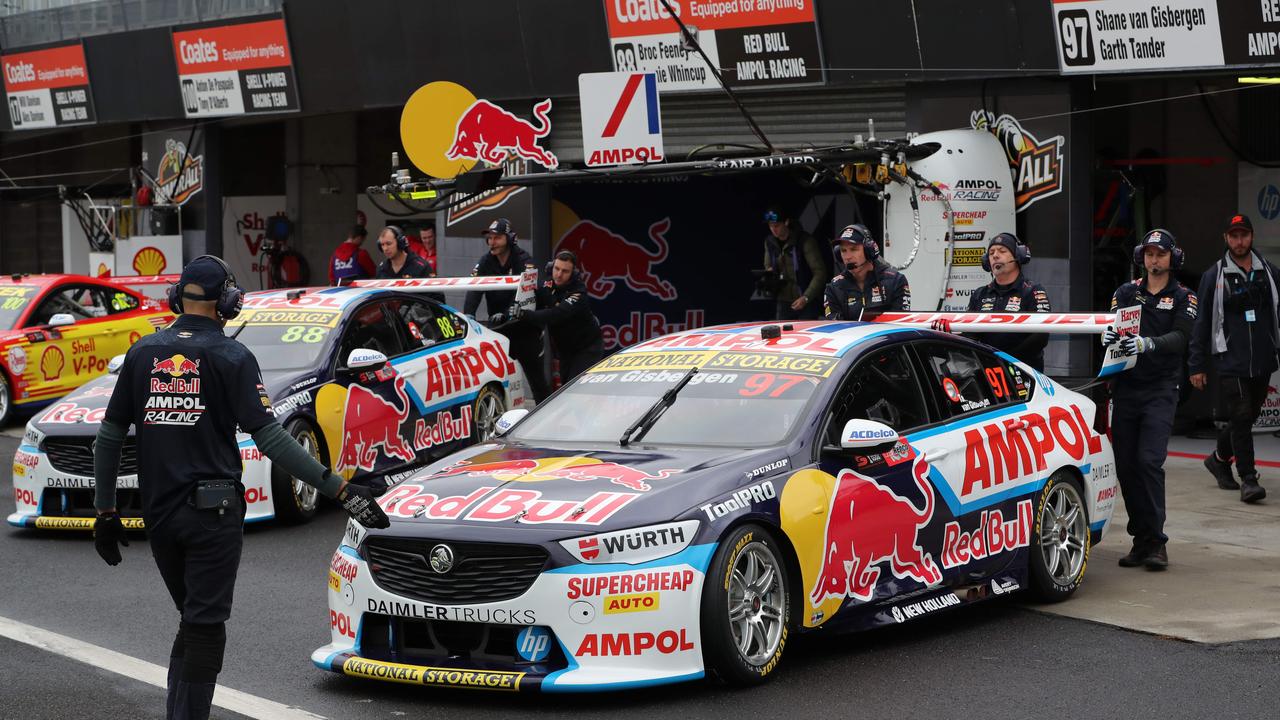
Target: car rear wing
{"x": 524, "y": 284}
{"x": 1126, "y": 321}
{"x": 155, "y": 287}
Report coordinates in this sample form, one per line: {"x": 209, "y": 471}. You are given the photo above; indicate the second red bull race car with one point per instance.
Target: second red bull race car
{"x": 374, "y": 381}
{"x": 690, "y": 503}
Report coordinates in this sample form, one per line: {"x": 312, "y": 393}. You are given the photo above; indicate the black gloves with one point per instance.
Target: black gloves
{"x": 498, "y": 319}
{"x": 108, "y": 536}
{"x": 358, "y": 501}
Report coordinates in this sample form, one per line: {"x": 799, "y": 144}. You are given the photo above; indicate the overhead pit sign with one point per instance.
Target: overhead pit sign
{"x": 621, "y": 119}
{"x": 48, "y": 88}
{"x": 756, "y": 43}
{"x": 239, "y": 69}
{"x": 1096, "y": 36}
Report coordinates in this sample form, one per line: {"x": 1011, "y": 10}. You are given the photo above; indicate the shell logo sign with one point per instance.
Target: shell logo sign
{"x": 52, "y": 362}
{"x": 149, "y": 261}
{"x": 104, "y": 271}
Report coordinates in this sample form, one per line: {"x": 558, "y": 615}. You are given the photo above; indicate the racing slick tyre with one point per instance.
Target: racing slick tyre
{"x": 746, "y": 607}
{"x": 1060, "y": 540}
{"x": 489, "y": 406}
{"x": 6, "y": 401}
{"x": 296, "y": 501}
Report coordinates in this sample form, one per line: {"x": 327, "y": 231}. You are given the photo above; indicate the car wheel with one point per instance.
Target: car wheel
{"x": 6, "y": 401}
{"x": 1060, "y": 541}
{"x": 489, "y": 406}
{"x": 746, "y": 607}
{"x": 296, "y": 501}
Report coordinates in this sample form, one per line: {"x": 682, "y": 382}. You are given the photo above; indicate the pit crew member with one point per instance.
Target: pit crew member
{"x": 565, "y": 310}
{"x": 868, "y": 283}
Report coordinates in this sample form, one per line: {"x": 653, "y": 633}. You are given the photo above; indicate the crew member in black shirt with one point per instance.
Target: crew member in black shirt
{"x": 565, "y": 310}
{"x": 186, "y": 389}
{"x": 868, "y": 284}
{"x": 507, "y": 258}
{"x": 399, "y": 262}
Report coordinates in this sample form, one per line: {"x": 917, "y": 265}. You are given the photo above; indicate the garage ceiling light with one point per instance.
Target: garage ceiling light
{"x": 1258, "y": 80}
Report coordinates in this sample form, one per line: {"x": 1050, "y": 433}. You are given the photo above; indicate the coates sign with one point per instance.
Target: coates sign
{"x": 621, "y": 118}
{"x": 238, "y": 69}
{"x": 47, "y": 88}
{"x": 1036, "y": 165}
{"x": 756, "y": 43}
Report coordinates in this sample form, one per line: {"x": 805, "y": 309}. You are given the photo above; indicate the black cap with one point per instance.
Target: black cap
{"x": 1159, "y": 238}
{"x": 775, "y": 213}
{"x": 501, "y": 226}
{"x": 1240, "y": 222}
{"x": 206, "y": 272}
{"x": 853, "y": 234}
{"x": 1008, "y": 240}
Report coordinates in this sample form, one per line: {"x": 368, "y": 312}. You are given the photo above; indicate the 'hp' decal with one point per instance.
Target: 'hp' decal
{"x": 534, "y": 643}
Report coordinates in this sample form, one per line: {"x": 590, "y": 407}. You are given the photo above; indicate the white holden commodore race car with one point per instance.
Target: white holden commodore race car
{"x": 689, "y": 503}
{"x": 374, "y": 380}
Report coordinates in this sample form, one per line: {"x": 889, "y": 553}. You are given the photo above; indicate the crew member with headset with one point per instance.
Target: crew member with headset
{"x": 868, "y": 284}
{"x": 1009, "y": 292}
{"x": 565, "y": 310}
{"x": 186, "y": 389}
{"x": 1144, "y": 397}
{"x": 399, "y": 262}
{"x": 505, "y": 257}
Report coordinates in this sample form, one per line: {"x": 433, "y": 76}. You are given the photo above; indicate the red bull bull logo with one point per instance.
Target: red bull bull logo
{"x": 176, "y": 366}
{"x": 868, "y": 524}
{"x": 605, "y": 257}
{"x": 577, "y": 469}
{"x": 371, "y": 427}
{"x": 487, "y": 132}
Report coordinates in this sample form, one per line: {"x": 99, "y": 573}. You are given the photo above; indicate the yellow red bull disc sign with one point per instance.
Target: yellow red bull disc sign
{"x": 446, "y": 130}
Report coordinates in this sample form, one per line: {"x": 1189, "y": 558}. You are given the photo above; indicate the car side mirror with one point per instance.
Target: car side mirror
{"x": 113, "y": 367}
{"x": 60, "y": 319}
{"x": 508, "y": 420}
{"x": 363, "y": 359}
{"x": 867, "y": 437}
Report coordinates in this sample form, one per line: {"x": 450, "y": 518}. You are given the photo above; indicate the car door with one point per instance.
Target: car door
{"x": 983, "y": 452}
{"x": 428, "y": 330}
{"x": 77, "y": 353}
{"x": 882, "y": 502}
{"x": 368, "y": 415}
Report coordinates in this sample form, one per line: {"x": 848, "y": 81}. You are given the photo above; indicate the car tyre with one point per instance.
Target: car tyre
{"x": 1060, "y": 540}
{"x": 6, "y": 400}
{"x": 746, "y": 607}
{"x": 295, "y": 501}
{"x": 488, "y": 407}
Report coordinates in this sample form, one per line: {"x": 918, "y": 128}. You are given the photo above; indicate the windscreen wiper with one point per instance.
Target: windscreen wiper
{"x": 651, "y": 415}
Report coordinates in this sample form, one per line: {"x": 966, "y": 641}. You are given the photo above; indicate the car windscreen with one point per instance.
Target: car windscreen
{"x": 284, "y": 339}
{"x": 14, "y": 299}
{"x": 736, "y": 399}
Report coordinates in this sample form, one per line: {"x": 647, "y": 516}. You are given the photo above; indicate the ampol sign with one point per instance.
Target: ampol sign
{"x": 621, "y": 118}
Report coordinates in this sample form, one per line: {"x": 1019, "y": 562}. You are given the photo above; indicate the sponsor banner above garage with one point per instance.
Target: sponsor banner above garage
{"x": 755, "y": 43}
{"x": 238, "y": 69}
{"x": 48, "y": 88}
{"x": 1097, "y": 36}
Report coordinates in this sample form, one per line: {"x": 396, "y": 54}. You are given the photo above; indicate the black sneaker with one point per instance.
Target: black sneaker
{"x": 1250, "y": 490}
{"x": 1221, "y": 472}
{"x": 1158, "y": 559}
{"x": 1137, "y": 554}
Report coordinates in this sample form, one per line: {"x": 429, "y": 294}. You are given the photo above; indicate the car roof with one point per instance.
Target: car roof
{"x": 44, "y": 279}
{"x": 815, "y": 337}
{"x": 333, "y": 297}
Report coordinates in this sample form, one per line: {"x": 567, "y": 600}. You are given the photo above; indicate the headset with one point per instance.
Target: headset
{"x": 573, "y": 258}
{"x": 1176, "y": 257}
{"x": 1021, "y": 253}
{"x": 402, "y": 241}
{"x": 870, "y": 248}
{"x": 230, "y": 299}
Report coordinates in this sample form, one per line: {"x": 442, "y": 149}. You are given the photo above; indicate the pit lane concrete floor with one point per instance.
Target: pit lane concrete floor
{"x": 996, "y": 660}
{"x": 1223, "y": 579}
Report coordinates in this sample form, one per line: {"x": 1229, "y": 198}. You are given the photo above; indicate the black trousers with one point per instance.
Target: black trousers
{"x": 1239, "y": 402}
{"x": 198, "y": 554}
{"x": 526, "y": 346}
{"x": 1141, "y": 421}
{"x": 573, "y": 364}
{"x": 783, "y": 311}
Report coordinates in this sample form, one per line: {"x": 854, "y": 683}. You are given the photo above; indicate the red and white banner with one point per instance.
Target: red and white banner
{"x": 48, "y": 87}
{"x": 756, "y": 44}
{"x": 1057, "y": 323}
{"x": 237, "y": 69}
